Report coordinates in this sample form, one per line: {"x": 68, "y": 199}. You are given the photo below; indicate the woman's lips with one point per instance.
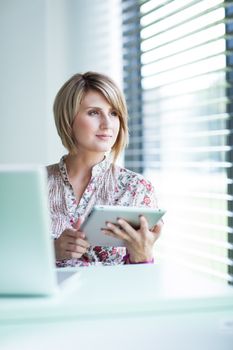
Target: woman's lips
{"x": 104, "y": 137}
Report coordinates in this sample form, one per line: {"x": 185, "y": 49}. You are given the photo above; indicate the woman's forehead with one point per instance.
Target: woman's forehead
{"x": 94, "y": 98}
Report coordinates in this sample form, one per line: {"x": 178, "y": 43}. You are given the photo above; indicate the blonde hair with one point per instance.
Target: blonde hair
{"x": 69, "y": 98}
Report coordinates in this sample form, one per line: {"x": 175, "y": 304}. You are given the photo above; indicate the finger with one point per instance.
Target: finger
{"x": 122, "y": 236}
{"x": 77, "y": 224}
{"x": 127, "y": 228}
{"x": 77, "y": 241}
{"x": 157, "y": 228}
{"x": 75, "y": 233}
{"x": 82, "y": 242}
{"x": 114, "y": 231}
{"x": 76, "y": 249}
{"x": 143, "y": 224}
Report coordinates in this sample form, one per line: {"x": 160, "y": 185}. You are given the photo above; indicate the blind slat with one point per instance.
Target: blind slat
{"x": 184, "y": 140}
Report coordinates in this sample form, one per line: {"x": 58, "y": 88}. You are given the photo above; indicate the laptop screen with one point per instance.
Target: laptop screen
{"x": 26, "y": 250}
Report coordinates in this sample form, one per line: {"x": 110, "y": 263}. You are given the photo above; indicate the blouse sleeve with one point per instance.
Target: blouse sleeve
{"x": 145, "y": 195}
{"x": 57, "y": 206}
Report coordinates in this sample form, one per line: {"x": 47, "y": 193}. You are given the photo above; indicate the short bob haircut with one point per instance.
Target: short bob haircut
{"x": 69, "y": 98}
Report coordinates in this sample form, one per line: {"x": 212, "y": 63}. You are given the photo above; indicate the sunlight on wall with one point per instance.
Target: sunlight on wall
{"x": 44, "y": 42}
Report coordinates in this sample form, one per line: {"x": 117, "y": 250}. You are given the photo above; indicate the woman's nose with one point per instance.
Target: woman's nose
{"x": 106, "y": 120}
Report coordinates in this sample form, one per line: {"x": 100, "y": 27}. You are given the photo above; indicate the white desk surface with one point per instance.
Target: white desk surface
{"x": 122, "y": 290}
{"x": 160, "y": 306}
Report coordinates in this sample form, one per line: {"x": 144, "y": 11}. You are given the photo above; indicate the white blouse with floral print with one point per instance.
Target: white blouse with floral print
{"x": 111, "y": 185}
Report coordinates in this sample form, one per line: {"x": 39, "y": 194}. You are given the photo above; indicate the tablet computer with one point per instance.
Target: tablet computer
{"x": 102, "y": 213}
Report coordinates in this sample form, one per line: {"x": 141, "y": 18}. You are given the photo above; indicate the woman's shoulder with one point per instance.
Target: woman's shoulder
{"x": 53, "y": 170}
{"x": 127, "y": 175}
{"x": 134, "y": 188}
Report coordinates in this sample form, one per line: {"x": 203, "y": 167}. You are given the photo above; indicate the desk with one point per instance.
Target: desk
{"x": 159, "y": 306}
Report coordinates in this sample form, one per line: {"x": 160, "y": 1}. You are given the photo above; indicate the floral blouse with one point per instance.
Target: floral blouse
{"x": 111, "y": 185}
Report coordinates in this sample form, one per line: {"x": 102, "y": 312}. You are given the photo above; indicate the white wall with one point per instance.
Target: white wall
{"x": 42, "y": 44}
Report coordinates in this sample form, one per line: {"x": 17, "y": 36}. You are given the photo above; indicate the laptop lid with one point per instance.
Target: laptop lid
{"x": 26, "y": 249}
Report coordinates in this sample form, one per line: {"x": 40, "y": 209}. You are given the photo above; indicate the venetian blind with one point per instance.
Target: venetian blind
{"x": 181, "y": 130}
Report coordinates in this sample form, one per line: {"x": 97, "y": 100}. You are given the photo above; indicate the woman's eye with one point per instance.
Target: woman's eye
{"x": 93, "y": 113}
{"x": 114, "y": 114}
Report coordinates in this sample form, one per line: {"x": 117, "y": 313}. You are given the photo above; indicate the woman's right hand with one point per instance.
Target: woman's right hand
{"x": 71, "y": 243}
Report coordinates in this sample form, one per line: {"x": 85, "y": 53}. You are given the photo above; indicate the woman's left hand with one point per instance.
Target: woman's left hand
{"x": 139, "y": 242}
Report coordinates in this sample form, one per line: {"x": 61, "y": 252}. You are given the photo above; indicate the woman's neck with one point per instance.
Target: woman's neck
{"x": 79, "y": 171}
{"x": 81, "y": 165}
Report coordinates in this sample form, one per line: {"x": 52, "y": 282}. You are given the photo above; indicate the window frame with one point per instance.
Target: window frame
{"x": 130, "y": 81}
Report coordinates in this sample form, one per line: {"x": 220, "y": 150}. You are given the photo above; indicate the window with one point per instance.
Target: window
{"x": 178, "y": 83}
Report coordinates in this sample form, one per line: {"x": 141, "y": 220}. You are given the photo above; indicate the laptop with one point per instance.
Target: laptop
{"x": 27, "y": 259}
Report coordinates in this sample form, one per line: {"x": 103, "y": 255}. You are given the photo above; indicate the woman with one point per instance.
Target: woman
{"x": 91, "y": 119}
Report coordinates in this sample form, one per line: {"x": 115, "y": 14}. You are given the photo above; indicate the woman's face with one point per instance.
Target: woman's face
{"x": 96, "y": 124}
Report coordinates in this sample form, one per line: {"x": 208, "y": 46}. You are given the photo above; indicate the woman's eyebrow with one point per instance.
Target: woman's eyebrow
{"x": 88, "y": 107}
{"x": 99, "y": 108}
